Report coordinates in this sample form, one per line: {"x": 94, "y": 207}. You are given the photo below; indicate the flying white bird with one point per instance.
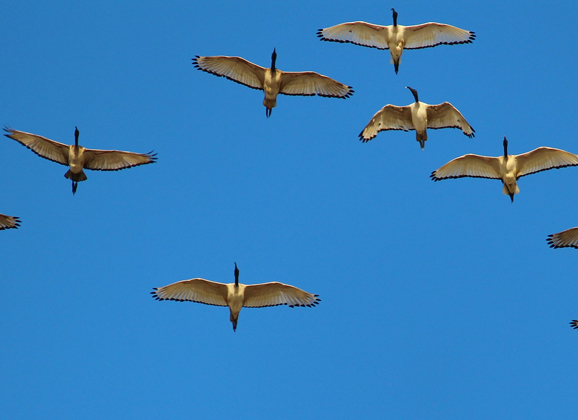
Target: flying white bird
{"x": 9, "y": 222}
{"x": 78, "y": 157}
{"x": 418, "y": 116}
{"x": 272, "y": 80}
{"x": 396, "y": 37}
{"x": 566, "y": 238}
{"x": 235, "y": 295}
{"x": 507, "y": 168}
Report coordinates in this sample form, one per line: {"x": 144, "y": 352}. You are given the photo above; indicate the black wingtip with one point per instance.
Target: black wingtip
{"x": 574, "y": 324}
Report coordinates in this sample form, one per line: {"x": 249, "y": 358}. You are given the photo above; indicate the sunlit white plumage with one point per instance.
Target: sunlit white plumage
{"x": 396, "y": 37}
{"x": 235, "y": 295}
{"x": 417, "y": 116}
{"x": 9, "y": 222}
{"x": 272, "y": 80}
{"x": 566, "y": 238}
{"x": 78, "y": 157}
{"x": 507, "y": 168}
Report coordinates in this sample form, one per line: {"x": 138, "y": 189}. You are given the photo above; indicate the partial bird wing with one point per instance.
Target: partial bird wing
{"x": 432, "y": 34}
{"x": 275, "y": 293}
{"x": 358, "y": 33}
{"x": 473, "y": 166}
{"x": 390, "y": 117}
{"x": 447, "y": 116}
{"x": 236, "y": 69}
{"x": 194, "y": 290}
{"x": 544, "y": 158}
{"x": 309, "y": 83}
{"x": 566, "y": 238}
{"x": 574, "y": 324}
{"x": 9, "y": 222}
{"x": 115, "y": 160}
{"x": 43, "y": 147}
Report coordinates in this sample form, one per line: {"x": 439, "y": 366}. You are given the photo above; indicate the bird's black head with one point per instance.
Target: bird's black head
{"x": 76, "y": 134}
{"x": 236, "y": 275}
{"x": 414, "y": 93}
{"x": 273, "y": 59}
{"x": 394, "y": 17}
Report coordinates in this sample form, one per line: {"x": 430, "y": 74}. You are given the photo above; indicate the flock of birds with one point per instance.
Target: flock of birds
{"x": 418, "y": 116}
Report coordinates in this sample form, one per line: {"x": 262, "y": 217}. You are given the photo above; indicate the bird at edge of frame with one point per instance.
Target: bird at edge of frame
{"x": 507, "y": 168}
{"x": 272, "y": 80}
{"x": 235, "y": 295}
{"x": 396, "y": 38}
{"x": 78, "y": 158}
{"x": 9, "y": 222}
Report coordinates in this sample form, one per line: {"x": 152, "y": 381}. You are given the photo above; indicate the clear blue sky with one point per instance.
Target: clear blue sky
{"x": 439, "y": 300}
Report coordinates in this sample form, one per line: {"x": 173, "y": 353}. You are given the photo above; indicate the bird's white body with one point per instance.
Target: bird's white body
{"x": 507, "y": 168}
{"x": 272, "y": 80}
{"x": 271, "y": 87}
{"x": 76, "y": 159}
{"x": 235, "y": 298}
{"x": 235, "y": 295}
{"x": 419, "y": 118}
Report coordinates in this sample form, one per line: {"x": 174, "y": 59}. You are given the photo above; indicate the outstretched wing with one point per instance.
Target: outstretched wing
{"x": 194, "y": 290}
{"x": 432, "y": 34}
{"x": 358, "y": 33}
{"x": 43, "y": 147}
{"x": 309, "y": 83}
{"x": 390, "y": 117}
{"x": 566, "y": 238}
{"x": 236, "y": 69}
{"x": 544, "y": 158}
{"x": 274, "y": 293}
{"x": 447, "y": 116}
{"x": 115, "y": 160}
{"x": 9, "y": 222}
{"x": 473, "y": 166}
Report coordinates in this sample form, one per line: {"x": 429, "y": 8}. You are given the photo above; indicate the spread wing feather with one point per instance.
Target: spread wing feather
{"x": 9, "y": 222}
{"x": 566, "y": 238}
{"x": 275, "y": 293}
{"x": 194, "y": 290}
{"x": 473, "y": 166}
{"x": 544, "y": 158}
{"x": 358, "y": 33}
{"x": 309, "y": 83}
{"x": 445, "y": 115}
{"x": 432, "y": 34}
{"x": 43, "y": 147}
{"x": 236, "y": 69}
{"x": 115, "y": 160}
{"x": 390, "y": 117}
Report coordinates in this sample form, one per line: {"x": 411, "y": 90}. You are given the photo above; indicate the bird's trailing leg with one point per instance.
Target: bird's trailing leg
{"x": 74, "y": 187}
{"x": 268, "y": 112}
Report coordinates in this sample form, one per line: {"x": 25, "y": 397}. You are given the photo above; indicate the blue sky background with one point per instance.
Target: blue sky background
{"x": 439, "y": 300}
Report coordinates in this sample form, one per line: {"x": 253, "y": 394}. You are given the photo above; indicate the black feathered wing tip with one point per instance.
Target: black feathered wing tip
{"x": 310, "y": 305}
{"x": 195, "y": 63}
{"x": 574, "y": 324}
{"x": 16, "y": 222}
{"x": 434, "y": 177}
